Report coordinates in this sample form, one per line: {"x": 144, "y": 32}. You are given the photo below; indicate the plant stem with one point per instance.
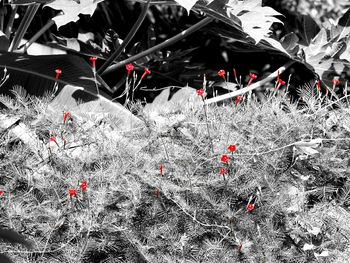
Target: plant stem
{"x": 206, "y": 118}
{"x": 11, "y": 20}
{"x": 127, "y": 40}
{"x": 38, "y": 34}
{"x": 22, "y": 29}
{"x": 166, "y": 43}
{"x": 249, "y": 88}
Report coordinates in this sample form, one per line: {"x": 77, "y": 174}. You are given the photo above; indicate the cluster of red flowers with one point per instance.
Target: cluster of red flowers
{"x": 73, "y": 192}
{"x": 130, "y": 68}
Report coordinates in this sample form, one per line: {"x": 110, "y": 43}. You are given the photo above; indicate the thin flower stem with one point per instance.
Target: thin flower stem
{"x": 38, "y": 34}
{"x": 127, "y": 40}
{"x": 10, "y": 21}
{"x": 166, "y": 43}
{"x": 249, "y": 88}
{"x": 22, "y": 29}
{"x": 206, "y": 120}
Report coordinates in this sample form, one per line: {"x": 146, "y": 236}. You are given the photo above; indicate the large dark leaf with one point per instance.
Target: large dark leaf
{"x": 11, "y": 236}
{"x": 37, "y": 73}
{"x": 5, "y": 259}
{"x": 308, "y": 29}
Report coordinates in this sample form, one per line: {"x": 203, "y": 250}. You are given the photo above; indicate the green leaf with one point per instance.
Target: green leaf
{"x": 343, "y": 26}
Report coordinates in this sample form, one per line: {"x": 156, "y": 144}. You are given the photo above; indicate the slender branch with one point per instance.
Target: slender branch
{"x": 38, "y": 34}
{"x": 10, "y": 22}
{"x": 251, "y": 87}
{"x": 127, "y": 40}
{"x": 166, "y": 43}
{"x": 22, "y": 29}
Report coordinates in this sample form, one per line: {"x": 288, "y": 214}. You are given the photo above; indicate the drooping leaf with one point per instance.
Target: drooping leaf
{"x": 37, "y": 73}
{"x": 28, "y": 2}
{"x": 72, "y": 9}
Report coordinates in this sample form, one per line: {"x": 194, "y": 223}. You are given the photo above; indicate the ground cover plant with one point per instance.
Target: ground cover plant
{"x": 104, "y": 159}
{"x": 247, "y": 183}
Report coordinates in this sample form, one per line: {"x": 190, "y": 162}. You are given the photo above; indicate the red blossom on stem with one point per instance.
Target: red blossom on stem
{"x": 280, "y": 82}
{"x": 252, "y": 77}
{"x": 222, "y": 74}
{"x": 157, "y": 192}
{"x": 335, "y": 82}
{"x": 1, "y": 193}
{"x": 129, "y": 68}
{"x": 250, "y": 207}
{"x": 66, "y": 116}
{"x": 235, "y": 73}
{"x": 145, "y": 73}
{"x": 58, "y": 73}
{"x": 200, "y": 92}
{"x": 238, "y": 100}
{"x": 53, "y": 139}
{"x": 83, "y": 186}
{"x": 93, "y": 61}
{"x": 232, "y": 148}
{"x": 161, "y": 169}
{"x": 223, "y": 171}
{"x": 224, "y": 158}
{"x": 72, "y": 193}
{"x": 318, "y": 85}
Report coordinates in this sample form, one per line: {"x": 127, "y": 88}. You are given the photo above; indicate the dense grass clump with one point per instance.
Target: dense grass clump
{"x": 160, "y": 194}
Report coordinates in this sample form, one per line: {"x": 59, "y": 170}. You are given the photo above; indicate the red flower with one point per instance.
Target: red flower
{"x": 222, "y": 73}
{"x": 1, "y": 193}
{"x": 235, "y": 73}
{"x": 72, "y": 193}
{"x": 58, "y": 73}
{"x": 252, "y": 77}
{"x": 157, "y": 192}
{"x": 161, "y": 169}
{"x": 145, "y": 73}
{"x": 280, "y": 82}
{"x": 53, "y": 139}
{"x": 223, "y": 171}
{"x": 83, "y": 186}
{"x": 93, "y": 61}
{"x": 238, "y": 100}
{"x": 335, "y": 82}
{"x": 129, "y": 68}
{"x": 66, "y": 116}
{"x": 250, "y": 207}
{"x": 224, "y": 158}
{"x": 232, "y": 148}
{"x": 200, "y": 92}
{"x": 318, "y": 85}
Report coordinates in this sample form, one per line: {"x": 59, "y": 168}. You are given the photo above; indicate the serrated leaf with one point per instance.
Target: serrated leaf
{"x": 72, "y": 9}
{"x": 256, "y": 20}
